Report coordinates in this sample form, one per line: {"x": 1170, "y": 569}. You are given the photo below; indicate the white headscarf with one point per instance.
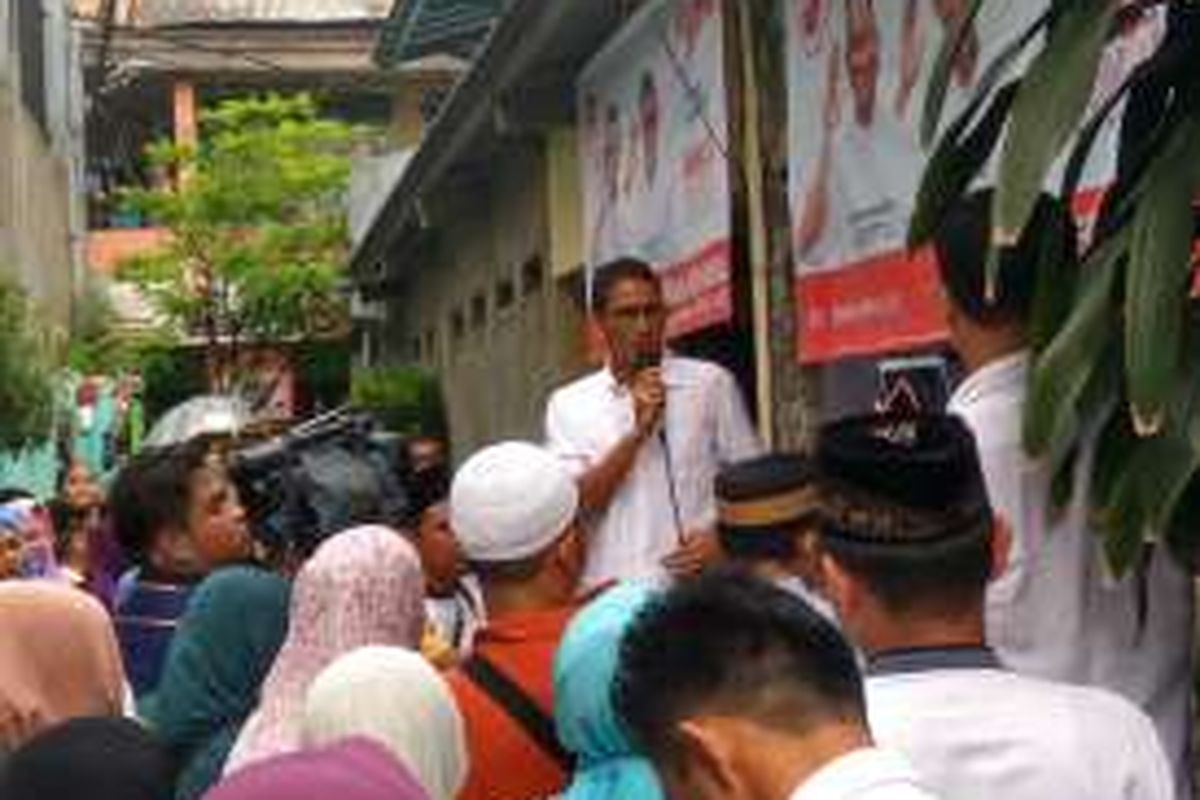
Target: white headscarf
{"x": 395, "y": 697}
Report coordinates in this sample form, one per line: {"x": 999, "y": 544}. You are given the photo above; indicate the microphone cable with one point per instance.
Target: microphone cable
{"x": 672, "y": 492}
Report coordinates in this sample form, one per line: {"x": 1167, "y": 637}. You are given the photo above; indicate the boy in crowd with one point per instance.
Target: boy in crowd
{"x": 177, "y": 516}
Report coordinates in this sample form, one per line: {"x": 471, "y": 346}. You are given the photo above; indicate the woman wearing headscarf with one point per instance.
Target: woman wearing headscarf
{"x": 363, "y": 586}
{"x": 226, "y": 641}
{"x": 96, "y": 758}
{"x": 584, "y": 670}
{"x": 354, "y": 769}
{"x": 58, "y": 659}
{"x": 395, "y": 697}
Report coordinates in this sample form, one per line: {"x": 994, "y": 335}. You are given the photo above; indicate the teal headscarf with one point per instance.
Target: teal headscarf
{"x": 235, "y": 623}
{"x": 584, "y": 669}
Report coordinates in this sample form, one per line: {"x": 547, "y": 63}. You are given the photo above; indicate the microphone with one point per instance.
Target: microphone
{"x": 649, "y": 360}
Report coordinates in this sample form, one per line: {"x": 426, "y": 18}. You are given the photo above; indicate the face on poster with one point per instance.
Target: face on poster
{"x": 654, "y": 125}
{"x": 857, "y": 78}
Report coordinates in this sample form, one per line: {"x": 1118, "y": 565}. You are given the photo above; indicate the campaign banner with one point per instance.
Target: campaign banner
{"x": 858, "y": 72}
{"x": 653, "y": 144}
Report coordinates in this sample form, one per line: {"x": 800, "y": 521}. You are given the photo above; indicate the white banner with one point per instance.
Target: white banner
{"x": 654, "y": 138}
{"x": 858, "y": 72}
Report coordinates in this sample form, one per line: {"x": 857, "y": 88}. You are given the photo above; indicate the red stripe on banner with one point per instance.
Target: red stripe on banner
{"x": 697, "y": 290}
{"x": 889, "y": 302}
{"x": 711, "y": 308}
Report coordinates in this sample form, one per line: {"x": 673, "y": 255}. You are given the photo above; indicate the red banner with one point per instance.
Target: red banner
{"x": 891, "y": 302}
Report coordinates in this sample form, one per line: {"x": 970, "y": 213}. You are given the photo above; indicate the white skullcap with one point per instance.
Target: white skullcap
{"x": 511, "y": 501}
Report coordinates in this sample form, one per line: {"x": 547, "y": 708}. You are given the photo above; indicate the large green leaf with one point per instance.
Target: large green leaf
{"x": 1125, "y": 532}
{"x": 1055, "y": 281}
{"x": 1061, "y": 373}
{"x": 995, "y": 71}
{"x": 1114, "y": 449}
{"x": 1166, "y": 60}
{"x": 955, "y": 163}
{"x": 1158, "y": 275}
{"x": 1052, "y": 98}
{"x": 1155, "y": 476}
{"x": 939, "y": 80}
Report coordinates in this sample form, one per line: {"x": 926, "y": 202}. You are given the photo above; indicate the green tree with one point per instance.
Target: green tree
{"x": 26, "y": 385}
{"x": 1115, "y": 338}
{"x": 257, "y": 227}
{"x": 407, "y": 400}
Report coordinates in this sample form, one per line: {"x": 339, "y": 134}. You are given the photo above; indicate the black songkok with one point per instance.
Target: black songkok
{"x": 768, "y": 494}
{"x": 891, "y": 479}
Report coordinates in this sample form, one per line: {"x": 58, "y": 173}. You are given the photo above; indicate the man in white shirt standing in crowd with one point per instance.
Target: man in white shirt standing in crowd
{"x": 737, "y": 690}
{"x": 909, "y": 543}
{"x": 1056, "y": 612}
{"x": 645, "y": 437}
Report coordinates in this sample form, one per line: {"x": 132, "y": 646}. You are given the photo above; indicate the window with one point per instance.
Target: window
{"x": 533, "y": 273}
{"x": 505, "y": 294}
{"x": 431, "y": 345}
{"x": 458, "y": 324}
{"x": 31, "y": 41}
{"x": 479, "y": 311}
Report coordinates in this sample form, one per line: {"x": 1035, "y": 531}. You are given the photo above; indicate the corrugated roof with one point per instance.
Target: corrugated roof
{"x": 185, "y": 12}
{"x": 418, "y": 28}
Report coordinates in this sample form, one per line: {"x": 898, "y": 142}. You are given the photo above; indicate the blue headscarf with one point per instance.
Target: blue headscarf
{"x": 226, "y": 642}
{"x": 584, "y": 670}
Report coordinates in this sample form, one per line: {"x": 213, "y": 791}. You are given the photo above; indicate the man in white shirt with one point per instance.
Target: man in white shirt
{"x": 909, "y": 543}
{"x": 1056, "y": 611}
{"x": 737, "y": 690}
{"x": 645, "y": 437}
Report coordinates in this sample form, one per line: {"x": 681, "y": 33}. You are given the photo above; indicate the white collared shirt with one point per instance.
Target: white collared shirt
{"x": 706, "y": 426}
{"x": 987, "y": 733}
{"x": 1057, "y": 612}
{"x": 871, "y": 773}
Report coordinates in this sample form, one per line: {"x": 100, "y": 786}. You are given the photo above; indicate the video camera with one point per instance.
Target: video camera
{"x": 317, "y": 479}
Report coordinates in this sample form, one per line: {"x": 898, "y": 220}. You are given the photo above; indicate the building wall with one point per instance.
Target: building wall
{"x": 484, "y": 311}
{"x": 39, "y": 167}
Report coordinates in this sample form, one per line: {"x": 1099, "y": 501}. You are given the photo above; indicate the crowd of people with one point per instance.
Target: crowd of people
{"x": 644, "y": 605}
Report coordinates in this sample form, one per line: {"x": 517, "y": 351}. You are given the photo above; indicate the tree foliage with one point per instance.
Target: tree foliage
{"x": 407, "y": 400}
{"x": 257, "y": 237}
{"x": 26, "y": 383}
{"x": 1117, "y": 350}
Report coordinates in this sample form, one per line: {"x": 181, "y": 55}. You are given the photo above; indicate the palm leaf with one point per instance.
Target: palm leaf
{"x": 1046, "y": 113}
{"x": 955, "y": 163}
{"x": 1062, "y": 372}
{"x": 939, "y": 80}
{"x": 1156, "y": 281}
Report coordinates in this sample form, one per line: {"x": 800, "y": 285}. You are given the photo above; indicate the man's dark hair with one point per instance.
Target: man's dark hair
{"x": 962, "y": 244}
{"x": 425, "y": 489}
{"x": 777, "y": 544}
{"x": 153, "y": 492}
{"x": 9, "y": 494}
{"x": 62, "y": 519}
{"x": 905, "y": 509}
{"x": 615, "y": 272}
{"x": 730, "y": 643}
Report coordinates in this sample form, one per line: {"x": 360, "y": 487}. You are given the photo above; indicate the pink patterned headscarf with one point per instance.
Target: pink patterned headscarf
{"x": 361, "y": 587}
